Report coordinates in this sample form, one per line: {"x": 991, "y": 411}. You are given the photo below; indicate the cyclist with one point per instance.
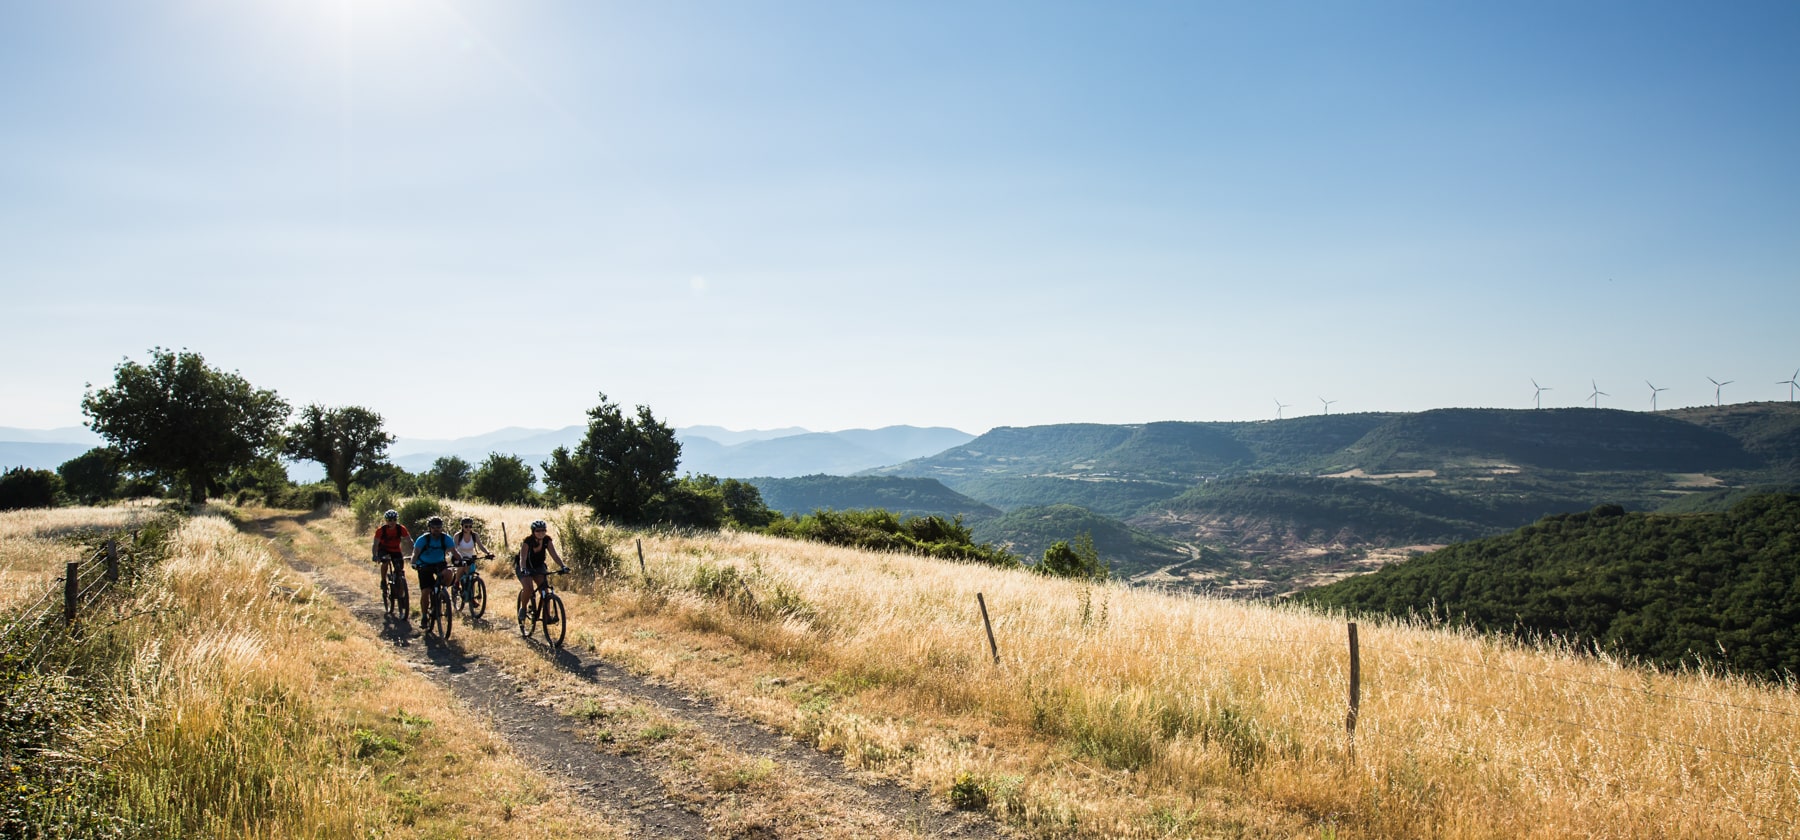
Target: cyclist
{"x": 467, "y": 542}
{"x": 531, "y": 565}
{"x": 431, "y": 556}
{"x": 389, "y": 548}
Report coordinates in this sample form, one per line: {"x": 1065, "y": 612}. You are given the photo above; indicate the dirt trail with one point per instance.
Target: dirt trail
{"x": 628, "y": 786}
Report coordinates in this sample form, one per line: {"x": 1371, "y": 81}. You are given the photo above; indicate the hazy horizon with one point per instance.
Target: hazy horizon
{"x": 851, "y": 216}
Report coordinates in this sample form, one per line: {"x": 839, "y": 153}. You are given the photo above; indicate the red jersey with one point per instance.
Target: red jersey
{"x": 393, "y": 538}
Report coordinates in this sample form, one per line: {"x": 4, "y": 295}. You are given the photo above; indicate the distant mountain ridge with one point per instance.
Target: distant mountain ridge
{"x": 781, "y": 453}
{"x": 1314, "y": 497}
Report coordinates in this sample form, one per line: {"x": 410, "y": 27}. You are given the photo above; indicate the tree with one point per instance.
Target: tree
{"x": 93, "y": 476}
{"x": 22, "y": 487}
{"x": 744, "y": 504}
{"x": 179, "y": 418}
{"x": 619, "y": 467}
{"x": 344, "y": 440}
{"x": 448, "y": 476}
{"x": 502, "y": 480}
{"x": 1081, "y": 560}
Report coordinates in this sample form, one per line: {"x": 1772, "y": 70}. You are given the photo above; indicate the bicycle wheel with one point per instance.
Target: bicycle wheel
{"x": 402, "y": 598}
{"x": 527, "y": 624}
{"x": 449, "y": 613}
{"x": 477, "y": 598}
{"x": 387, "y": 593}
{"x": 555, "y": 621}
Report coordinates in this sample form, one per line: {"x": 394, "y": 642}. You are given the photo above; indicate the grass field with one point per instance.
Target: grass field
{"x": 1128, "y": 713}
{"x": 253, "y": 707}
{"x": 233, "y": 701}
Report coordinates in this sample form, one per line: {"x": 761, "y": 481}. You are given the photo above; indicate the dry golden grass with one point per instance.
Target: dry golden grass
{"x": 740, "y": 794}
{"x": 1130, "y": 713}
{"x": 32, "y": 553}
{"x": 252, "y": 707}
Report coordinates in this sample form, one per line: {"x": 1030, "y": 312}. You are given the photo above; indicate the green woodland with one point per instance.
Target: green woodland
{"x": 1714, "y": 589}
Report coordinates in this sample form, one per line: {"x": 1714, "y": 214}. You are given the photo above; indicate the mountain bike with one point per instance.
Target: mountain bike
{"x": 395, "y": 601}
{"x": 437, "y": 610}
{"x": 471, "y": 590}
{"x": 546, "y": 611}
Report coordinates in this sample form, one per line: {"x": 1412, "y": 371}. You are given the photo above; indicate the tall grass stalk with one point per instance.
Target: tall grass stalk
{"x": 1171, "y": 703}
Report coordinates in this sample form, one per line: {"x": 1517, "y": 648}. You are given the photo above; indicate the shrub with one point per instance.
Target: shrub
{"x": 306, "y": 497}
{"x": 369, "y": 503}
{"x": 584, "y": 547}
{"x": 27, "y": 488}
{"x": 417, "y": 510}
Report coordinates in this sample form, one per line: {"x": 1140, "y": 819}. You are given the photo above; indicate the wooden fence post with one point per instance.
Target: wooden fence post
{"x": 641, "y": 567}
{"x": 71, "y": 589}
{"x": 503, "y": 540}
{"x": 112, "y": 560}
{"x": 990, "y": 627}
{"x": 1355, "y": 693}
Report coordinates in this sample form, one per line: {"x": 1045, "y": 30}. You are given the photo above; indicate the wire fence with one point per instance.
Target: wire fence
{"x": 1421, "y": 676}
{"x": 33, "y": 629}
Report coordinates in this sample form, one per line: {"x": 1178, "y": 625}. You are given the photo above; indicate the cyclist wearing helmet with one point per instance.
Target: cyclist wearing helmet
{"x": 531, "y": 565}
{"x": 467, "y": 542}
{"x": 431, "y": 553}
{"x": 389, "y": 547}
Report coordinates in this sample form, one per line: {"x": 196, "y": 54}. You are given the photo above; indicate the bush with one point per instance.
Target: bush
{"x": 583, "y": 545}
{"x": 880, "y": 530}
{"x": 368, "y": 504}
{"x": 306, "y": 497}
{"x": 28, "y": 488}
{"x": 417, "y": 510}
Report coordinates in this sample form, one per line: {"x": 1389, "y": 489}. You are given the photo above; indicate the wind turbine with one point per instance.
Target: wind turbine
{"x": 1279, "y": 405}
{"x": 1537, "y": 399}
{"x": 1327, "y": 404}
{"x": 1719, "y": 387}
{"x": 1655, "y": 390}
{"x": 1597, "y": 393}
{"x": 1791, "y": 384}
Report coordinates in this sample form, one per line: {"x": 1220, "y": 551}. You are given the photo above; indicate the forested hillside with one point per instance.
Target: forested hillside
{"x": 903, "y": 496}
{"x": 1126, "y": 550}
{"x": 1719, "y": 588}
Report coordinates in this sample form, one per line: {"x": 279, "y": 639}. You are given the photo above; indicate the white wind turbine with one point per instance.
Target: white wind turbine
{"x": 1537, "y": 399}
{"x": 1718, "y": 389}
{"x": 1791, "y": 384}
{"x": 1327, "y": 404}
{"x": 1597, "y": 393}
{"x": 1653, "y": 392}
{"x": 1279, "y": 405}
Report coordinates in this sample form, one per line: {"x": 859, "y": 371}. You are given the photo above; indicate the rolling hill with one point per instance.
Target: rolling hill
{"x": 1321, "y": 495}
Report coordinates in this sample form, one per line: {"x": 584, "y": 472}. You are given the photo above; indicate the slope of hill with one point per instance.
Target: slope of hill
{"x": 1717, "y": 588}
{"x": 1568, "y": 439}
{"x": 1397, "y": 480}
{"x": 1128, "y": 551}
{"x": 904, "y": 496}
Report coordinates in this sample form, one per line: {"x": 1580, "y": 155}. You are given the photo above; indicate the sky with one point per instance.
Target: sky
{"x": 471, "y": 215}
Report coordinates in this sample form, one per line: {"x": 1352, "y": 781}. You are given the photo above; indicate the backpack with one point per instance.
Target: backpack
{"x": 444, "y": 543}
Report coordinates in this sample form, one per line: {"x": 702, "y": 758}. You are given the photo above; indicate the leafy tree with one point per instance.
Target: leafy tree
{"x": 620, "y": 467}
{"x": 93, "y": 476}
{"x": 693, "y": 501}
{"x": 1080, "y": 560}
{"x": 501, "y": 480}
{"x": 744, "y": 504}
{"x": 265, "y": 478}
{"x": 344, "y": 440}
{"x": 448, "y": 476}
{"x": 390, "y": 475}
{"x": 21, "y": 487}
{"x": 178, "y": 417}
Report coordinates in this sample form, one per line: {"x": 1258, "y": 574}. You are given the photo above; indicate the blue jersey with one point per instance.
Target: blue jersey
{"x": 432, "y": 549}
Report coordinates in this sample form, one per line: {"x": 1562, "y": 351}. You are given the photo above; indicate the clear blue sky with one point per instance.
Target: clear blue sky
{"x": 468, "y": 215}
